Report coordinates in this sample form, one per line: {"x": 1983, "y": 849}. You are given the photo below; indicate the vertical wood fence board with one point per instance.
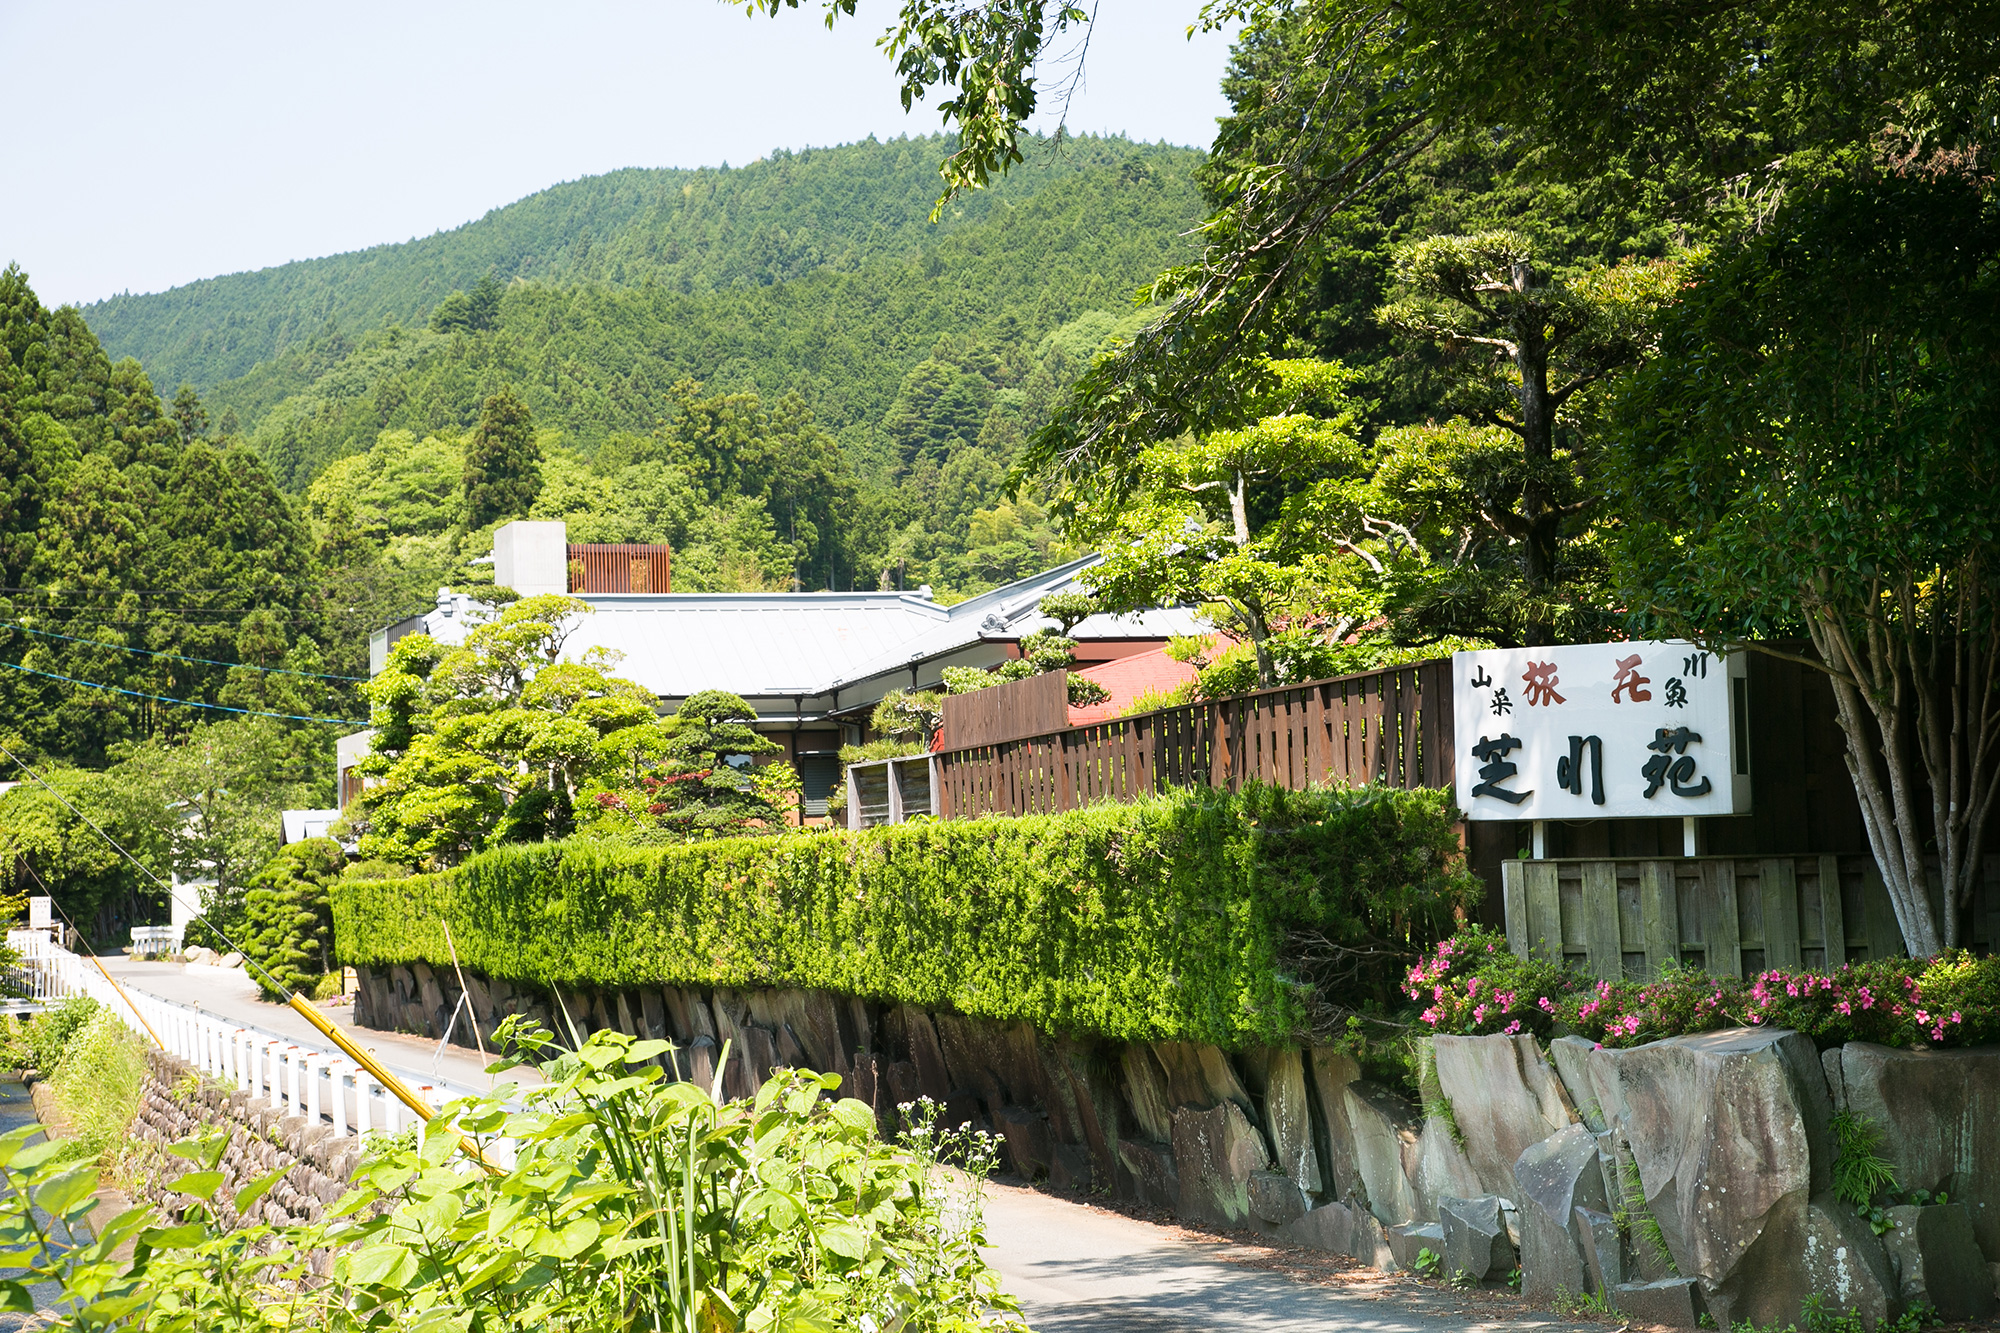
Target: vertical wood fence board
{"x": 1885, "y": 937}
{"x": 1832, "y": 913}
{"x": 1778, "y": 886}
{"x": 1545, "y": 932}
{"x": 1600, "y": 930}
{"x": 1723, "y": 927}
{"x": 1514, "y": 899}
{"x": 1659, "y": 909}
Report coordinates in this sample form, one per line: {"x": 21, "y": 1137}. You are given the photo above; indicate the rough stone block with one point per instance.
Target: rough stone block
{"x": 1384, "y": 1128}
{"x": 1215, "y": 1153}
{"x": 1603, "y": 1248}
{"x": 1275, "y": 1198}
{"x": 1408, "y": 1241}
{"x": 961, "y": 1108}
{"x": 1441, "y": 1170}
{"x": 1329, "y": 1228}
{"x": 1475, "y": 1237}
{"x": 1505, "y": 1097}
{"x": 1146, "y": 1091}
{"x": 1571, "y": 1057}
{"x": 1842, "y": 1261}
{"x": 1030, "y": 1150}
{"x": 1941, "y": 1108}
{"x": 1070, "y": 1169}
{"x": 1552, "y": 1180}
{"x": 1151, "y": 1175}
{"x": 1937, "y": 1261}
{"x": 1331, "y": 1072}
{"x": 1729, "y": 1134}
{"x": 1287, "y": 1120}
{"x": 1672, "y": 1303}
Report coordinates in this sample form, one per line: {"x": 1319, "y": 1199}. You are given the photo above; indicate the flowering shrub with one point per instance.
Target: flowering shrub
{"x": 1471, "y": 984}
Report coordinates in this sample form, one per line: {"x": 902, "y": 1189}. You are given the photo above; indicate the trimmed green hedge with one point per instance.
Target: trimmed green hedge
{"x": 1166, "y": 918}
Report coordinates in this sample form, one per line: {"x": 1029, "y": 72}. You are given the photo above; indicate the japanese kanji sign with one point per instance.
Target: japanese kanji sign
{"x": 1600, "y": 731}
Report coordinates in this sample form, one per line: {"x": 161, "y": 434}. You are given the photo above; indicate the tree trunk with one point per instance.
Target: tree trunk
{"x": 1538, "y": 555}
{"x": 1895, "y": 684}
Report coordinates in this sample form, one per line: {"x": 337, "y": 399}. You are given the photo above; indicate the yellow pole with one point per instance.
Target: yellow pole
{"x": 303, "y": 1007}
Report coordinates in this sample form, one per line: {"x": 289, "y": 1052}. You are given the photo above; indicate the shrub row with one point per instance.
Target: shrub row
{"x": 1162, "y": 919}
{"x": 1472, "y": 984}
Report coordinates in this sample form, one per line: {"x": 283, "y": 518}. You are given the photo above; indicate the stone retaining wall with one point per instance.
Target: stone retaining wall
{"x": 1680, "y": 1178}
{"x": 177, "y": 1102}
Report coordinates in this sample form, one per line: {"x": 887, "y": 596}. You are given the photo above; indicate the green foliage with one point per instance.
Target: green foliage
{"x": 909, "y": 716}
{"x": 629, "y": 1202}
{"x": 503, "y": 472}
{"x": 1428, "y": 1263}
{"x": 1808, "y": 452}
{"x": 1041, "y": 652}
{"x": 52, "y": 1032}
{"x": 96, "y": 1083}
{"x": 125, "y": 526}
{"x": 1860, "y": 1172}
{"x": 884, "y": 371}
{"x": 704, "y": 784}
{"x": 288, "y": 918}
{"x": 1163, "y": 918}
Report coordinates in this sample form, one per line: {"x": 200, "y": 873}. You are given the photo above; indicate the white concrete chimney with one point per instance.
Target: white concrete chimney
{"x": 531, "y": 558}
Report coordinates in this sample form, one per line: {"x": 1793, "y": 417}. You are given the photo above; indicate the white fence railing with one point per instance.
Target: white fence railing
{"x": 295, "y": 1077}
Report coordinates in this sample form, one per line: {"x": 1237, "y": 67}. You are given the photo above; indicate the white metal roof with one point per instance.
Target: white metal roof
{"x": 813, "y": 646}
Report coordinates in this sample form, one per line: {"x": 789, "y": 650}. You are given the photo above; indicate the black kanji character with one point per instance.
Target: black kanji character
{"x": 1569, "y": 768}
{"x": 1501, "y": 704}
{"x": 1677, "y": 693}
{"x": 1675, "y": 773}
{"x": 1495, "y": 768}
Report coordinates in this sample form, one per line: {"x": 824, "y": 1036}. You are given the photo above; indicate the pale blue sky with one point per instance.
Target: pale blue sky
{"x": 153, "y": 144}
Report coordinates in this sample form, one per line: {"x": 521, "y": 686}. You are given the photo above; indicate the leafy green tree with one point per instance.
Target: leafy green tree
{"x": 496, "y": 740}
{"x": 47, "y": 846}
{"x": 503, "y": 462}
{"x": 1528, "y": 346}
{"x": 1247, "y": 522}
{"x": 705, "y": 783}
{"x": 1812, "y": 449}
{"x": 210, "y": 802}
{"x": 288, "y": 916}
{"x": 190, "y": 417}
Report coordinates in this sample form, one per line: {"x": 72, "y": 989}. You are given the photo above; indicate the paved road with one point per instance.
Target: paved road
{"x": 238, "y": 1000}
{"x": 1075, "y": 1268}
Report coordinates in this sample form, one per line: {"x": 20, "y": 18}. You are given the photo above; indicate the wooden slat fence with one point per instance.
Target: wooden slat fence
{"x": 1391, "y": 727}
{"x": 1733, "y": 915}
{"x": 1034, "y": 706}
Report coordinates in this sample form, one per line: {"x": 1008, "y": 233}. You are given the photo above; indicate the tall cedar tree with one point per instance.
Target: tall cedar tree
{"x": 503, "y": 463}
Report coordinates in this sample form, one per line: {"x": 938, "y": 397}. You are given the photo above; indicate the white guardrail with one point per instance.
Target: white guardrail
{"x": 295, "y": 1077}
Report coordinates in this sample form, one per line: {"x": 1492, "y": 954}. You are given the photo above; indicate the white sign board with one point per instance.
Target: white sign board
{"x": 1644, "y": 730}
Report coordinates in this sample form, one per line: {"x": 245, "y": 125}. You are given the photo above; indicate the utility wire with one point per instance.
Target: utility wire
{"x": 185, "y": 703}
{"x": 179, "y": 657}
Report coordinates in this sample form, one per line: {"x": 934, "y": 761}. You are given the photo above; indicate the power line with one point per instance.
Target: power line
{"x": 185, "y": 703}
{"x": 179, "y": 657}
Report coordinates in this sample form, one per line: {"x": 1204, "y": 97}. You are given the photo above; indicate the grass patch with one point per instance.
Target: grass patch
{"x": 96, "y": 1085}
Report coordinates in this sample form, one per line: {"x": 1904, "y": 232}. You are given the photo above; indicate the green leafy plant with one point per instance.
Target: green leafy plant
{"x": 1860, "y": 1172}
{"x": 50, "y": 1033}
{"x": 1166, "y": 918}
{"x": 1428, "y": 1263}
{"x": 627, "y": 1203}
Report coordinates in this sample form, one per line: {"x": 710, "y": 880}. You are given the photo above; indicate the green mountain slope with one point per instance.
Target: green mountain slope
{"x": 687, "y": 231}
{"x": 596, "y": 359}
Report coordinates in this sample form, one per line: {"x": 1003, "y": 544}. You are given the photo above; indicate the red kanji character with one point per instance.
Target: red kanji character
{"x": 1630, "y": 680}
{"x": 1542, "y": 682}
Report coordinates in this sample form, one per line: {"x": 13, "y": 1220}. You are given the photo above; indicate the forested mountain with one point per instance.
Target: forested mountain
{"x": 687, "y": 231}
{"x": 786, "y": 371}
